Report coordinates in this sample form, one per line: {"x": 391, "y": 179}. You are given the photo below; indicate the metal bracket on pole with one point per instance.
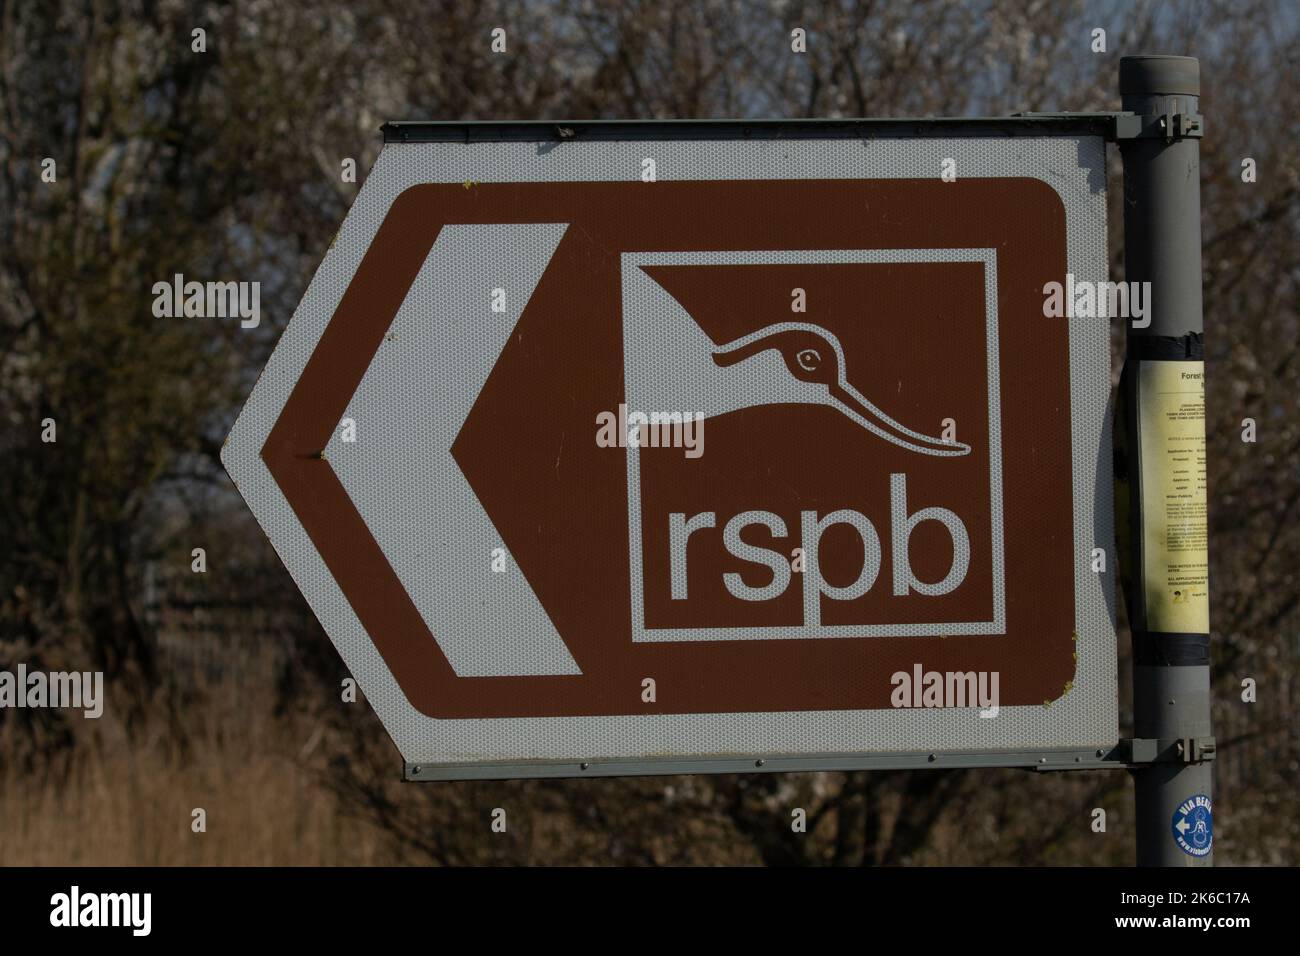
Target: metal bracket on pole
{"x": 1146, "y": 750}
{"x": 1169, "y": 126}
{"x": 1126, "y": 125}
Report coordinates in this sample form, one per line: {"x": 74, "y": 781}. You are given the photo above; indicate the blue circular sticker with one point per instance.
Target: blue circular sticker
{"x": 1194, "y": 825}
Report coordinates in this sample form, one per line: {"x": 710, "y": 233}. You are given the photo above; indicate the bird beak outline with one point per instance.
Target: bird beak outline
{"x": 852, "y": 403}
{"x": 830, "y": 374}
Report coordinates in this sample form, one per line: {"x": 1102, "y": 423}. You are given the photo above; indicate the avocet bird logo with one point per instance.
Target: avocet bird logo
{"x": 814, "y": 356}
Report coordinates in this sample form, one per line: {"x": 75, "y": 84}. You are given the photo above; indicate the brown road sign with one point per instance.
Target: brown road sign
{"x": 574, "y": 466}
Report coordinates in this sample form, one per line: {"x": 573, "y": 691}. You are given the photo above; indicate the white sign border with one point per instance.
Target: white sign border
{"x": 1073, "y": 166}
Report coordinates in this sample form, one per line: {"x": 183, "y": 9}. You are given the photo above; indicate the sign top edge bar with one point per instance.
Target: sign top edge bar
{"x": 561, "y": 131}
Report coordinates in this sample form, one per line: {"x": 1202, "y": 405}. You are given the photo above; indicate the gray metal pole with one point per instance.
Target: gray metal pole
{"x": 1167, "y": 582}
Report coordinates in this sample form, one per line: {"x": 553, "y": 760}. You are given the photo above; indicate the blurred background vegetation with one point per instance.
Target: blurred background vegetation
{"x": 224, "y": 693}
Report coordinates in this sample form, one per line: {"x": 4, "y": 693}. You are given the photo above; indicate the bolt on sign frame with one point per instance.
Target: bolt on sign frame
{"x": 515, "y": 599}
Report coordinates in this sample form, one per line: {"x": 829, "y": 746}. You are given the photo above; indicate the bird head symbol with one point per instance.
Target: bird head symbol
{"x": 814, "y": 356}
{"x": 807, "y": 351}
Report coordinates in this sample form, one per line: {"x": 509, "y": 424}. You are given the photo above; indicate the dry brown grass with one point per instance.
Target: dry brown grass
{"x": 114, "y": 801}
{"x": 264, "y": 775}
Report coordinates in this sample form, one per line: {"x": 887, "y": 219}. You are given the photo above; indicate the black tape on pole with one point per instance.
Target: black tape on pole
{"x": 1170, "y": 650}
{"x": 1170, "y": 348}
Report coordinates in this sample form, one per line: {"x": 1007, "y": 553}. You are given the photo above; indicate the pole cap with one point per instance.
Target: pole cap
{"x": 1159, "y": 76}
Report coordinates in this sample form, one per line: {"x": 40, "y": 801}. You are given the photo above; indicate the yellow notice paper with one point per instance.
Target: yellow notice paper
{"x": 1171, "y": 423}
